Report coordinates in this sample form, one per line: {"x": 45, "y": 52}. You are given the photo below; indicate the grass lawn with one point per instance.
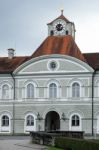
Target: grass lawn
{"x": 53, "y": 148}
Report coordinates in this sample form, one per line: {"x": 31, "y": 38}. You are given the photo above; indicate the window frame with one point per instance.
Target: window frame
{"x": 29, "y": 120}
{"x": 6, "y": 121}
{"x": 76, "y": 90}
{"x": 27, "y": 128}
{"x": 6, "y": 94}
{"x": 24, "y": 89}
{"x": 75, "y": 120}
{"x": 75, "y": 128}
{"x": 31, "y": 89}
{"x": 53, "y": 90}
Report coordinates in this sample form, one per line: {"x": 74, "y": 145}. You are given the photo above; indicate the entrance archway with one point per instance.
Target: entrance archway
{"x": 52, "y": 121}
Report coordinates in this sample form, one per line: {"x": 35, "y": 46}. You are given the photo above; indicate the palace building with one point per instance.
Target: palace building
{"x": 56, "y": 88}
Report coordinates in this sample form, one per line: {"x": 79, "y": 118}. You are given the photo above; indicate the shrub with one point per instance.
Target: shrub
{"x": 75, "y": 144}
{"x": 53, "y": 148}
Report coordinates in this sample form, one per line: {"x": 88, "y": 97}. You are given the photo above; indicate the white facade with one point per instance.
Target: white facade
{"x": 50, "y": 92}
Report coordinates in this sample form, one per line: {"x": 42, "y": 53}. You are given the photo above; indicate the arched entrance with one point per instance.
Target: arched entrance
{"x": 52, "y": 121}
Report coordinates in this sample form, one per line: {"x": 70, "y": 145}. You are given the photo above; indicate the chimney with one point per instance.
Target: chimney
{"x": 10, "y": 53}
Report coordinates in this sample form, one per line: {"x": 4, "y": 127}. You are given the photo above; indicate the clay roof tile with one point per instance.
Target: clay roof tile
{"x": 60, "y": 17}
{"x": 9, "y": 65}
{"x": 92, "y": 59}
{"x": 64, "y": 45}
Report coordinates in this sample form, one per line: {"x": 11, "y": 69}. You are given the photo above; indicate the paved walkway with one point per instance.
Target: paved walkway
{"x": 15, "y": 144}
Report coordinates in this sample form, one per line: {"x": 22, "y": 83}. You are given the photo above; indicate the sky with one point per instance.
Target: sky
{"x": 23, "y": 23}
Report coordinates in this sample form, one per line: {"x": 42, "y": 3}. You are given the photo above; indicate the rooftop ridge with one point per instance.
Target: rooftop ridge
{"x": 60, "y": 17}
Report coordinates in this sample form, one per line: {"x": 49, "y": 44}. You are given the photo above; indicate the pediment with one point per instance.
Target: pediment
{"x": 65, "y": 64}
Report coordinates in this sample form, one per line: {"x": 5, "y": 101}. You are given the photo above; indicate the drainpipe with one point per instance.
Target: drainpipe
{"x": 13, "y": 102}
{"x": 93, "y": 77}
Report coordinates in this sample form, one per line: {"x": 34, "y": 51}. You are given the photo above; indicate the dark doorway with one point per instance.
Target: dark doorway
{"x": 52, "y": 121}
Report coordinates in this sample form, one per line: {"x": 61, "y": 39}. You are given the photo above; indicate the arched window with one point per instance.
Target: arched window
{"x": 75, "y": 121}
{"x": 52, "y": 90}
{"x": 5, "y": 91}
{"x": 30, "y": 120}
{"x": 5, "y": 121}
{"x": 66, "y": 32}
{"x": 75, "y": 90}
{"x": 52, "y": 32}
{"x": 30, "y": 91}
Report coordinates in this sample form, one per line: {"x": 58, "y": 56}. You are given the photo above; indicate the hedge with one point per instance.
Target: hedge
{"x": 76, "y": 144}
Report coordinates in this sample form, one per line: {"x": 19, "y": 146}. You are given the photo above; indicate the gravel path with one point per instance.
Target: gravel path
{"x": 13, "y": 143}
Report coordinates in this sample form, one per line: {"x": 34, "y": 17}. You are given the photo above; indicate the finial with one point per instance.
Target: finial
{"x": 62, "y": 11}
{"x": 62, "y": 7}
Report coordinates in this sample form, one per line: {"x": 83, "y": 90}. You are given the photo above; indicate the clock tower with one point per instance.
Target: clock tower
{"x": 61, "y": 26}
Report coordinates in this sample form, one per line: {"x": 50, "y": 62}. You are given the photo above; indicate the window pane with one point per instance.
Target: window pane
{"x": 75, "y": 120}
{"x": 30, "y": 121}
{"x": 52, "y": 90}
{"x": 30, "y": 91}
{"x": 75, "y": 90}
{"x": 5, "y": 121}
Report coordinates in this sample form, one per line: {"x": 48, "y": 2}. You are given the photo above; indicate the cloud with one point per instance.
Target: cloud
{"x": 23, "y": 23}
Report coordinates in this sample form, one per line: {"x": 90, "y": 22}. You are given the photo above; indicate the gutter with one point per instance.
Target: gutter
{"x": 13, "y": 102}
{"x": 93, "y": 77}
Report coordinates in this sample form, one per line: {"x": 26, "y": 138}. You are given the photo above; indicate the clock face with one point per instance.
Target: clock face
{"x": 59, "y": 27}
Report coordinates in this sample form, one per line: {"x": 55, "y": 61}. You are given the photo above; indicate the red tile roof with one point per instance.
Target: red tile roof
{"x": 92, "y": 59}
{"x": 60, "y": 17}
{"x": 64, "y": 45}
{"x": 9, "y": 65}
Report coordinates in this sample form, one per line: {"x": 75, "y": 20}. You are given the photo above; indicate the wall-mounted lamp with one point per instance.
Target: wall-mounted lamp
{"x": 39, "y": 117}
{"x": 63, "y": 117}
